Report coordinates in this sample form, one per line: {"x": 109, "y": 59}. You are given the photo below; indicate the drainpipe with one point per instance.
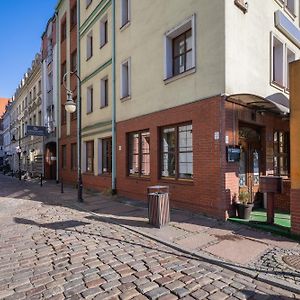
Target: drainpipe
{"x": 57, "y": 119}
{"x": 113, "y": 119}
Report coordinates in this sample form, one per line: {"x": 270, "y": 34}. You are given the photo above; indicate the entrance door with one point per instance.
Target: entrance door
{"x": 249, "y": 170}
{"x": 50, "y": 161}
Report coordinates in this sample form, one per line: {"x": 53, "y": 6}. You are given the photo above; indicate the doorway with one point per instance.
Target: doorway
{"x": 250, "y": 161}
{"x": 50, "y": 161}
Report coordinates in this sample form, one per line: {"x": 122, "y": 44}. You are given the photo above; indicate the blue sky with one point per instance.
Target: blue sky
{"x": 22, "y": 23}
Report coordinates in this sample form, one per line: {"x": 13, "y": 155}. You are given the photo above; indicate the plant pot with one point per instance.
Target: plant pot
{"x": 244, "y": 210}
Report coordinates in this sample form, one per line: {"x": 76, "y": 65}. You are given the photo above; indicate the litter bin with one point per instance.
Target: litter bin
{"x": 158, "y": 205}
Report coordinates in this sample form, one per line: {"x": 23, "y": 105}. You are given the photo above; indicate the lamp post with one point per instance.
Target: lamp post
{"x": 71, "y": 107}
{"x": 19, "y": 150}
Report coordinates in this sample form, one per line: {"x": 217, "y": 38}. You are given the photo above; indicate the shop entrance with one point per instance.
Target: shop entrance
{"x": 250, "y": 161}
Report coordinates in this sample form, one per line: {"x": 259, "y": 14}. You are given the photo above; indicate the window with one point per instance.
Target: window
{"x": 30, "y": 96}
{"x": 177, "y": 152}
{"x": 63, "y": 33}
{"x": 125, "y": 12}
{"x": 90, "y": 156}
{"x": 39, "y": 87}
{"x": 34, "y": 92}
{"x": 277, "y": 63}
{"x": 139, "y": 153}
{"x": 34, "y": 120}
{"x": 290, "y": 56}
{"x": 87, "y": 3}
{"x": 63, "y": 71}
{"x": 89, "y": 45}
{"x": 104, "y": 92}
{"x": 180, "y": 49}
{"x": 125, "y": 79}
{"x": 73, "y": 156}
{"x": 73, "y": 16}
{"x": 63, "y": 156}
{"x": 290, "y": 5}
{"x": 106, "y": 155}
{"x": 74, "y": 61}
{"x": 89, "y": 103}
{"x": 103, "y": 31}
{"x": 40, "y": 117}
{"x": 281, "y": 153}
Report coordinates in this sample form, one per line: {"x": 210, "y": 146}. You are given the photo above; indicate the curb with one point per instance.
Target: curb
{"x": 288, "y": 286}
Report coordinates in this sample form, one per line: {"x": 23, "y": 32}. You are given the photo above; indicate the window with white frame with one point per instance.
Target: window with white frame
{"x": 180, "y": 48}
{"x": 290, "y": 5}
{"x": 89, "y": 102}
{"x": 89, "y": 45}
{"x": 104, "y": 92}
{"x": 125, "y": 12}
{"x": 125, "y": 79}
{"x": 103, "y": 31}
{"x": 290, "y": 56}
{"x": 277, "y": 61}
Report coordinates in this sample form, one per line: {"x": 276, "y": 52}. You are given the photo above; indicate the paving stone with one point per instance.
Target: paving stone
{"x": 156, "y": 293}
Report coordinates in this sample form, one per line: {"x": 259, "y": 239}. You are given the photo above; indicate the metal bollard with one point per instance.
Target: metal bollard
{"x": 62, "y": 186}
{"x": 41, "y": 179}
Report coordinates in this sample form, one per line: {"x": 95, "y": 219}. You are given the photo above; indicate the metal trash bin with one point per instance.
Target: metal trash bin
{"x": 158, "y": 205}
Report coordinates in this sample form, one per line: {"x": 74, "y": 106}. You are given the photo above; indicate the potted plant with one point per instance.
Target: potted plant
{"x": 244, "y": 205}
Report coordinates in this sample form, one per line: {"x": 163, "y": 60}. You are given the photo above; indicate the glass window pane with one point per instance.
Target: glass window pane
{"x": 168, "y": 165}
{"x": 169, "y": 139}
{"x": 179, "y": 44}
{"x": 188, "y": 40}
{"x": 189, "y": 60}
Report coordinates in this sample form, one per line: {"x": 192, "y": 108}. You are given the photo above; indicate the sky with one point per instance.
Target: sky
{"x": 22, "y": 23}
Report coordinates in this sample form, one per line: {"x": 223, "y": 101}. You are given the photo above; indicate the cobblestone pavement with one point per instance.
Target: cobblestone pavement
{"x": 271, "y": 263}
{"x": 51, "y": 250}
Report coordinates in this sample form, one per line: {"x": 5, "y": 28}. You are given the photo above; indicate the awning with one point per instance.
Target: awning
{"x": 259, "y": 103}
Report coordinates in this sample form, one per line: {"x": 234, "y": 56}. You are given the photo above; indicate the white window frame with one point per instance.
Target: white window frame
{"x": 189, "y": 23}
{"x": 287, "y": 50}
{"x": 125, "y": 86}
{"x": 102, "y": 92}
{"x": 125, "y": 19}
{"x": 102, "y": 31}
{"x": 89, "y": 99}
{"x": 89, "y": 45}
{"x": 273, "y": 81}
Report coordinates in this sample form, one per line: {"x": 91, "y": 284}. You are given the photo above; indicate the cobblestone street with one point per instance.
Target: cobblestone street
{"x": 50, "y": 249}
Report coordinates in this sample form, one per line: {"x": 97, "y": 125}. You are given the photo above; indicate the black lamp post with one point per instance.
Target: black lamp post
{"x": 19, "y": 150}
{"x": 70, "y": 107}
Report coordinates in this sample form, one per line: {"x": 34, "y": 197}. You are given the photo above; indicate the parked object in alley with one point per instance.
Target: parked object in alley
{"x": 158, "y": 205}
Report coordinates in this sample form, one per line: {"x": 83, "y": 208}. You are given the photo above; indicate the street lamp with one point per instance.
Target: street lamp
{"x": 71, "y": 107}
{"x": 18, "y": 150}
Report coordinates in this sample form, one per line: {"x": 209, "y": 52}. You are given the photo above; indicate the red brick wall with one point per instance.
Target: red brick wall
{"x": 99, "y": 183}
{"x": 205, "y": 194}
{"x": 282, "y": 201}
{"x": 295, "y": 211}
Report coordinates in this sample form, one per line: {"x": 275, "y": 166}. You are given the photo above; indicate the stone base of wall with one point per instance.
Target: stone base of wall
{"x": 295, "y": 211}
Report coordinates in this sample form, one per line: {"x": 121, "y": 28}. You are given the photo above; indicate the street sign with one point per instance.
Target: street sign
{"x": 36, "y": 130}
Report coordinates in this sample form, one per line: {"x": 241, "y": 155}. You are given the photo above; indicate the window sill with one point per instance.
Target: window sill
{"x": 179, "y": 76}
{"x": 280, "y": 3}
{"x": 125, "y": 98}
{"x": 104, "y": 175}
{"x": 124, "y": 26}
{"x": 104, "y": 106}
{"x": 177, "y": 181}
{"x": 102, "y": 46}
{"x": 241, "y": 5}
{"x": 88, "y": 58}
{"x": 290, "y": 13}
{"x": 278, "y": 86}
{"x": 90, "y": 112}
{"x": 136, "y": 177}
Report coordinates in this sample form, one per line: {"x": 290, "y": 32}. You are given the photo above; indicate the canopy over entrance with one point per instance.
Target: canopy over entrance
{"x": 260, "y": 104}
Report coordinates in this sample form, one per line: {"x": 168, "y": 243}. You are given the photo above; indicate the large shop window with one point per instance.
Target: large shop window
{"x": 90, "y": 156}
{"x": 281, "y": 153}
{"x": 106, "y": 155}
{"x": 177, "y": 152}
{"x": 139, "y": 153}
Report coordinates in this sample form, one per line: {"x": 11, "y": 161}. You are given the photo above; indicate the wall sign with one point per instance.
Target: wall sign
{"x": 233, "y": 153}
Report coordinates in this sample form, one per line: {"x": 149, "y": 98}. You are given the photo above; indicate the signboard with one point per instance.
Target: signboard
{"x": 36, "y": 130}
{"x": 233, "y": 153}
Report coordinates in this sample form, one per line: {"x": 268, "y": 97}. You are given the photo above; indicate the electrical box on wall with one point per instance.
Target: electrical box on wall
{"x": 233, "y": 153}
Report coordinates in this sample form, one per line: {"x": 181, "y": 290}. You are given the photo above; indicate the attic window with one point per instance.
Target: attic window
{"x": 242, "y": 5}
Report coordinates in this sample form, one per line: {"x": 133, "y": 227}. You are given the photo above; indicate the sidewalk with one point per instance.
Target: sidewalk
{"x": 239, "y": 248}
